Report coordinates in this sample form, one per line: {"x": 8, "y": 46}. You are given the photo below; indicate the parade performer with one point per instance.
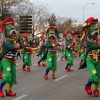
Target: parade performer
{"x": 51, "y": 33}
{"x": 28, "y": 49}
{"x": 7, "y": 56}
{"x": 63, "y": 50}
{"x": 82, "y": 51}
{"x": 63, "y": 53}
{"x": 1, "y": 41}
{"x": 68, "y": 35}
{"x": 82, "y": 55}
{"x": 92, "y": 55}
{"x": 42, "y": 50}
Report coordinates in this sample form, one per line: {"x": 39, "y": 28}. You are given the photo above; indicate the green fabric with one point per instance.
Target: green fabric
{"x": 63, "y": 52}
{"x": 48, "y": 45}
{"x": 83, "y": 56}
{"x": 26, "y": 50}
{"x": 8, "y": 45}
{"x": 70, "y": 57}
{"x": 42, "y": 48}
{"x": 94, "y": 69}
{"x": 51, "y": 61}
{"x": 42, "y": 54}
{"x": 1, "y": 70}
{"x": 9, "y": 70}
{"x": 91, "y": 46}
{"x": 27, "y": 59}
{"x": 51, "y": 58}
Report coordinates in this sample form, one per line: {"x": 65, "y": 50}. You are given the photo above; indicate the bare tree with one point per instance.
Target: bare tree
{"x": 39, "y": 13}
{"x": 64, "y": 23}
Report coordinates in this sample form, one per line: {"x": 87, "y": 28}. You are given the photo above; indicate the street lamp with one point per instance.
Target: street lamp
{"x": 84, "y": 8}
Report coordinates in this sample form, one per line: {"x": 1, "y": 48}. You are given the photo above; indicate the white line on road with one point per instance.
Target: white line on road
{"x": 21, "y": 97}
{"x": 60, "y": 78}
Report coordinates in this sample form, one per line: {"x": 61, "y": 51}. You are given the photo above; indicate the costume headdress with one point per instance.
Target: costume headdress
{"x": 28, "y": 37}
{"x": 7, "y": 27}
{"x": 52, "y": 31}
{"x": 68, "y": 35}
{"x": 90, "y": 28}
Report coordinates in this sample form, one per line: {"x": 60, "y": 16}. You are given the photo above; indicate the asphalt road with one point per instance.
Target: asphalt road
{"x": 66, "y": 86}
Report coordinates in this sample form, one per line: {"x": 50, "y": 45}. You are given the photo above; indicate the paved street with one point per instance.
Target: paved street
{"x": 66, "y": 86}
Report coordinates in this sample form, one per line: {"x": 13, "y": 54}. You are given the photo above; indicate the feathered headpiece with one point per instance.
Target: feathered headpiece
{"x": 90, "y": 28}
{"x": 52, "y": 31}
{"x": 7, "y": 27}
{"x": 7, "y": 20}
{"x": 68, "y": 35}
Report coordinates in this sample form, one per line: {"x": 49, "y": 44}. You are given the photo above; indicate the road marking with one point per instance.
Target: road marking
{"x": 18, "y": 98}
{"x": 60, "y": 78}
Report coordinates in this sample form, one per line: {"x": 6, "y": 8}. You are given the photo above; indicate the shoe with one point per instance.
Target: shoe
{"x": 44, "y": 65}
{"x": 88, "y": 90}
{"x": 45, "y": 76}
{"x": 1, "y": 76}
{"x": 10, "y": 93}
{"x": 29, "y": 69}
{"x": 24, "y": 69}
{"x": 67, "y": 69}
{"x": 70, "y": 69}
{"x": 61, "y": 59}
{"x": 75, "y": 55}
{"x": 53, "y": 76}
{"x": 96, "y": 93}
{"x": 1, "y": 93}
{"x": 81, "y": 63}
{"x": 39, "y": 64}
{"x": 66, "y": 59}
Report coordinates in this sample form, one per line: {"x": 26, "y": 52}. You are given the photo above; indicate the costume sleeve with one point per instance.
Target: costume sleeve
{"x": 49, "y": 45}
{"x": 41, "y": 49}
{"x": 9, "y": 45}
{"x": 93, "y": 46}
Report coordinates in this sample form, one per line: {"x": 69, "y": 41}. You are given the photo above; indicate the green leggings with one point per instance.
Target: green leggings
{"x": 94, "y": 69}
{"x": 51, "y": 61}
{"x": 70, "y": 57}
{"x": 9, "y": 70}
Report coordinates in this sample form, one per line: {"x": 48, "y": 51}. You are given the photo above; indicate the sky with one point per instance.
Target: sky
{"x": 73, "y": 8}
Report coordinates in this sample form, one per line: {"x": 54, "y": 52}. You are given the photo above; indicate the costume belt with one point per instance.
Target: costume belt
{"x": 95, "y": 58}
{"x": 52, "y": 52}
{"x": 28, "y": 53}
{"x": 10, "y": 59}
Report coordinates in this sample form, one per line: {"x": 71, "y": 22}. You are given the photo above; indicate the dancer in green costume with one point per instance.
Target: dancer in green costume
{"x": 68, "y": 35}
{"x": 51, "y": 51}
{"x": 27, "y": 52}
{"x": 82, "y": 50}
{"x": 1, "y": 40}
{"x": 42, "y": 51}
{"x": 92, "y": 55}
{"x": 7, "y": 56}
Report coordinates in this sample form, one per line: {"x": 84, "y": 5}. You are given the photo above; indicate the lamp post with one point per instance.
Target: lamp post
{"x": 84, "y": 8}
